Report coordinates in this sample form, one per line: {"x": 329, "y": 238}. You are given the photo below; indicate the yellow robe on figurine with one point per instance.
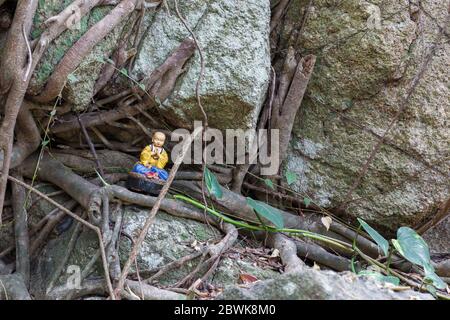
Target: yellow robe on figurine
{"x": 147, "y": 157}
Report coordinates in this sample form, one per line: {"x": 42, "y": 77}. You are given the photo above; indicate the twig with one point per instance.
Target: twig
{"x": 91, "y": 147}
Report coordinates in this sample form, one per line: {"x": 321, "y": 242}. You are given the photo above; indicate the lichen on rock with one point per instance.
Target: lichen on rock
{"x": 362, "y": 76}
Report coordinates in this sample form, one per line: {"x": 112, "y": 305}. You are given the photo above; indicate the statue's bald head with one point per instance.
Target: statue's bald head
{"x": 158, "y": 139}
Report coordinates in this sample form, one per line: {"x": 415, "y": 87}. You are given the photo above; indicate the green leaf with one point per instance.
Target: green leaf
{"x": 307, "y": 201}
{"x": 212, "y": 184}
{"x": 270, "y": 213}
{"x": 414, "y": 248}
{"x": 380, "y": 277}
{"x": 45, "y": 142}
{"x": 124, "y": 72}
{"x": 433, "y": 277}
{"x": 142, "y": 86}
{"x": 269, "y": 183}
{"x": 397, "y": 246}
{"x": 378, "y": 238}
{"x": 110, "y": 61}
{"x": 72, "y": 78}
{"x": 291, "y": 177}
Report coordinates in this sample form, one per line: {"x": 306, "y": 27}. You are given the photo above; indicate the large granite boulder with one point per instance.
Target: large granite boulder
{"x": 233, "y": 36}
{"x": 369, "y": 54}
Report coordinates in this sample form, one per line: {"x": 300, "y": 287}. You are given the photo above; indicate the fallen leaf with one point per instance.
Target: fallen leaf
{"x": 247, "y": 278}
{"x": 326, "y": 222}
{"x": 275, "y": 253}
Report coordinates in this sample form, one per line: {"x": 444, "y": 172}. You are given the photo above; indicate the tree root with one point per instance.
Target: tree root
{"x": 236, "y": 205}
{"x": 14, "y": 79}
{"x": 314, "y": 252}
{"x": 159, "y": 84}
{"x": 288, "y": 252}
{"x": 152, "y": 293}
{"x": 21, "y": 233}
{"x": 81, "y": 48}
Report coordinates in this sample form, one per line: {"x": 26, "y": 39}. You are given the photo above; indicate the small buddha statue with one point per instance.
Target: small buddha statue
{"x": 153, "y": 159}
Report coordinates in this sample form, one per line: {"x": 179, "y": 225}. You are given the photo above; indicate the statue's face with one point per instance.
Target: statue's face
{"x": 158, "y": 139}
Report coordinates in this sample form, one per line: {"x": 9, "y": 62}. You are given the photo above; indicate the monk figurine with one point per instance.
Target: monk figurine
{"x": 153, "y": 159}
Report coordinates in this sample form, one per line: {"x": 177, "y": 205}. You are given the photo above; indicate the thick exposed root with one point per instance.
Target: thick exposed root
{"x": 236, "y": 205}
{"x": 21, "y": 233}
{"x": 288, "y": 252}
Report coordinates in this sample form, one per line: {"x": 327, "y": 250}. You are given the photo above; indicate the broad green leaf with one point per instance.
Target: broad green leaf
{"x": 380, "y": 277}
{"x": 291, "y": 177}
{"x": 378, "y": 238}
{"x": 267, "y": 211}
{"x": 307, "y": 201}
{"x": 269, "y": 183}
{"x": 433, "y": 277}
{"x": 414, "y": 248}
{"x": 212, "y": 184}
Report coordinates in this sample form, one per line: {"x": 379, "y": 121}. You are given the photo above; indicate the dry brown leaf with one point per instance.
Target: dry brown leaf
{"x": 247, "y": 278}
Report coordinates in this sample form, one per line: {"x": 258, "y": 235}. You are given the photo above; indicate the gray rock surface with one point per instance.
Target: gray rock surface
{"x": 312, "y": 284}
{"x": 233, "y": 36}
{"x": 168, "y": 239}
{"x": 363, "y": 72}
